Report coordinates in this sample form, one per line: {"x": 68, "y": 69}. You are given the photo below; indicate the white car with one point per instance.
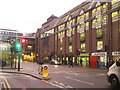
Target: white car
{"x": 113, "y": 75}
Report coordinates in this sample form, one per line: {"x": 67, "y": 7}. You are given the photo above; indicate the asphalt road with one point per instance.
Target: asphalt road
{"x": 61, "y": 77}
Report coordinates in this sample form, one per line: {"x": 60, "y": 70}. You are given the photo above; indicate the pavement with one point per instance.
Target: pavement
{"x": 33, "y": 71}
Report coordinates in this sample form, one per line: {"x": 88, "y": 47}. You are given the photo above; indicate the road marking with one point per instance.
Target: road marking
{"x": 7, "y": 84}
{"x": 79, "y": 80}
{"x": 66, "y": 86}
{"x": 53, "y": 84}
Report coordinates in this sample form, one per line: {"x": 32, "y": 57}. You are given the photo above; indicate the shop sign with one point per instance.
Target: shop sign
{"x": 84, "y": 54}
{"x": 116, "y": 53}
{"x": 99, "y": 54}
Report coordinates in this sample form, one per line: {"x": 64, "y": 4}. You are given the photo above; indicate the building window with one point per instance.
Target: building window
{"x": 87, "y": 14}
{"x": 83, "y": 47}
{"x": 94, "y": 21}
{"x": 87, "y": 24}
{"x": 60, "y": 49}
{"x": 99, "y": 45}
{"x": 93, "y": 11}
{"x": 70, "y": 49}
{"x": 82, "y": 36}
{"x": 114, "y": 2}
{"x": 104, "y": 5}
{"x": 70, "y": 40}
{"x": 82, "y": 25}
{"x": 78, "y": 27}
{"x": 61, "y": 41}
{"x": 99, "y": 8}
{"x": 99, "y": 19}
{"x": 29, "y": 48}
{"x": 114, "y": 14}
{"x": 99, "y": 33}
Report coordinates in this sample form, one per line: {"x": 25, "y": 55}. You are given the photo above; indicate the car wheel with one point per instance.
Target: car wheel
{"x": 114, "y": 81}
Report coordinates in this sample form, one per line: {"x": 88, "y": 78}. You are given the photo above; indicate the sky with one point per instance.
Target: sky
{"x": 28, "y": 15}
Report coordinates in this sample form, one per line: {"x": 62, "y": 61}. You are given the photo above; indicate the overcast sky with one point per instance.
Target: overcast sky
{"x": 28, "y": 15}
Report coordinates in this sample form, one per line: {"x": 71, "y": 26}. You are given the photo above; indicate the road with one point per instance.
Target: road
{"x": 61, "y": 76}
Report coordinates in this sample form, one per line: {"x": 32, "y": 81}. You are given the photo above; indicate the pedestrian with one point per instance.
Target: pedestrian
{"x": 71, "y": 62}
{"x": 40, "y": 62}
{"x": 81, "y": 62}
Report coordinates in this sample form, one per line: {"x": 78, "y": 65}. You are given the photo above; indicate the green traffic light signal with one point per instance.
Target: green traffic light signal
{"x": 18, "y": 45}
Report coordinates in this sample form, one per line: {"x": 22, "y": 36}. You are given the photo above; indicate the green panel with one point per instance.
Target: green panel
{"x": 84, "y": 54}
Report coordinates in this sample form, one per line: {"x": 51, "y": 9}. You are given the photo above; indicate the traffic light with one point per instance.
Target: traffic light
{"x": 18, "y": 45}
{"x": 78, "y": 52}
{"x": 23, "y": 41}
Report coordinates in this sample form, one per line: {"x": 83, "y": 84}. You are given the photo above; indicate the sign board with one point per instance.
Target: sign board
{"x": 99, "y": 54}
{"x": 45, "y": 70}
{"x": 117, "y": 53}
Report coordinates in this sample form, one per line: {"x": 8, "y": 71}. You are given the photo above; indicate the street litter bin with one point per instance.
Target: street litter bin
{"x": 45, "y": 70}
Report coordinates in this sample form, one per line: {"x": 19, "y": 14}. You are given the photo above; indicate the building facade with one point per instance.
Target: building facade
{"x": 91, "y": 27}
{"x": 29, "y": 47}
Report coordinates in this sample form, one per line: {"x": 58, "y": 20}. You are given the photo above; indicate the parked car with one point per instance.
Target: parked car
{"x": 55, "y": 62}
{"x": 113, "y": 75}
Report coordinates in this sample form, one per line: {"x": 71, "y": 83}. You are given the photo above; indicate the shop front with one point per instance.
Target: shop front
{"x": 116, "y": 55}
{"x": 101, "y": 59}
{"x": 85, "y": 59}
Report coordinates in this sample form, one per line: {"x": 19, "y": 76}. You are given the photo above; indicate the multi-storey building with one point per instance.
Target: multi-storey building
{"x": 29, "y": 47}
{"x": 91, "y": 27}
{"x": 7, "y": 38}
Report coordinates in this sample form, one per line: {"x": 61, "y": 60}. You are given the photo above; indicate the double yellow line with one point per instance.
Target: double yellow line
{"x": 6, "y": 84}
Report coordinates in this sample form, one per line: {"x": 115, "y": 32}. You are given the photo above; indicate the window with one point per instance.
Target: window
{"x": 61, "y": 41}
{"x": 83, "y": 47}
{"x": 78, "y": 17}
{"x": 93, "y": 11}
{"x": 114, "y": 13}
{"x": 87, "y": 24}
{"x": 70, "y": 49}
{"x": 99, "y": 19}
{"x": 82, "y": 37}
{"x": 82, "y": 25}
{"x": 94, "y": 21}
{"x": 114, "y": 2}
{"x": 78, "y": 27}
{"x": 70, "y": 40}
{"x": 82, "y": 16}
{"x": 87, "y": 13}
{"x": 29, "y": 47}
{"x": 105, "y": 17}
{"x": 99, "y": 33}
{"x": 58, "y": 34}
{"x": 98, "y": 8}
{"x": 99, "y": 45}
{"x": 104, "y": 5}
{"x": 60, "y": 49}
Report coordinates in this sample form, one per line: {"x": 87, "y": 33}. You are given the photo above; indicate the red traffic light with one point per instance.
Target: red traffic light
{"x": 23, "y": 40}
{"x": 79, "y": 50}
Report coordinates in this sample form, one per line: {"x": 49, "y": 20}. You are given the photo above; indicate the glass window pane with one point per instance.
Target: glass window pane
{"x": 87, "y": 23}
{"x": 93, "y": 11}
{"x": 114, "y": 13}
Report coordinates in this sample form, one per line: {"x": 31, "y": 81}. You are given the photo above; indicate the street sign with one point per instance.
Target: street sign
{"x": 45, "y": 70}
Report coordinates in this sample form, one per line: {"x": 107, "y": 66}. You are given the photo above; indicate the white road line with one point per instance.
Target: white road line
{"x": 53, "y": 84}
{"x": 79, "y": 80}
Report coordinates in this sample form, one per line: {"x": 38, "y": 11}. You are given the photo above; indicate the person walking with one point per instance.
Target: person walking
{"x": 40, "y": 62}
{"x": 71, "y": 62}
{"x": 81, "y": 62}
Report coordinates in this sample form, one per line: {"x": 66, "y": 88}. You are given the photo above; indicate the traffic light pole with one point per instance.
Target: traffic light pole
{"x": 18, "y": 59}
